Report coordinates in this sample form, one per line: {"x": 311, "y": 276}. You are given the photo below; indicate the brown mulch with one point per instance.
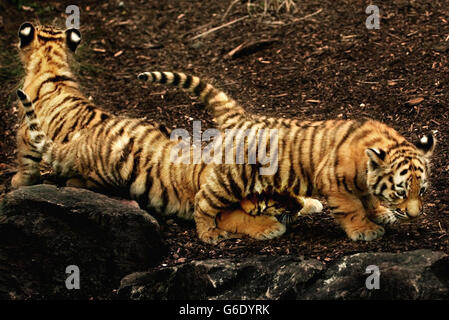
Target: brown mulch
{"x": 325, "y": 66}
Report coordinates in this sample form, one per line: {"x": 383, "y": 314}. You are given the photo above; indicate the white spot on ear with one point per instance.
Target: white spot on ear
{"x": 424, "y": 140}
{"x": 376, "y": 150}
{"x": 74, "y": 37}
{"x": 25, "y": 31}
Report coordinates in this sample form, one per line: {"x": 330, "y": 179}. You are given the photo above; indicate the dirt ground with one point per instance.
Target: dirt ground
{"x": 319, "y": 62}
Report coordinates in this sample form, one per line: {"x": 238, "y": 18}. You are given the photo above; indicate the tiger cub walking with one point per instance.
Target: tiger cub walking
{"x": 367, "y": 171}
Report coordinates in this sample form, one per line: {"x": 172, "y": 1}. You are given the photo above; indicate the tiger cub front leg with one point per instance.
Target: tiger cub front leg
{"x": 378, "y": 213}
{"x": 350, "y": 213}
{"x": 204, "y": 215}
{"x": 28, "y": 172}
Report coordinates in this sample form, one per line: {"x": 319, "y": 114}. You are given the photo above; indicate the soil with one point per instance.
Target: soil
{"x": 320, "y": 62}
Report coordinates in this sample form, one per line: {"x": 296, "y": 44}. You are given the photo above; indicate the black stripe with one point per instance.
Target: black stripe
{"x": 346, "y": 185}
{"x": 53, "y": 79}
{"x": 312, "y": 143}
{"x": 188, "y": 82}
{"x": 176, "y": 79}
{"x": 134, "y": 169}
{"x": 199, "y": 88}
{"x": 210, "y": 203}
{"x": 236, "y": 191}
{"x": 163, "y": 78}
{"x": 144, "y": 198}
{"x": 32, "y": 158}
{"x": 355, "y": 181}
{"x": 377, "y": 182}
{"x": 46, "y": 39}
{"x": 224, "y": 201}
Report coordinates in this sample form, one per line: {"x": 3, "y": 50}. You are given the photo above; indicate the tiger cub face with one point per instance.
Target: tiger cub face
{"x": 45, "y": 41}
{"x": 399, "y": 178}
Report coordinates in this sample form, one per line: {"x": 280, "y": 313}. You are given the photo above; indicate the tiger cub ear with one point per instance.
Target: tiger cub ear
{"x": 73, "y": 38}
{"x": 26, "y": 34}
{"x": 426, "y": 144}
{"x": 376, "y": 158}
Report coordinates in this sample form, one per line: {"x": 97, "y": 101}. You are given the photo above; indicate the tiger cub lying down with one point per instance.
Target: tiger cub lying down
{"x": 367, "y": 171}
{"x": 78, "y": 160}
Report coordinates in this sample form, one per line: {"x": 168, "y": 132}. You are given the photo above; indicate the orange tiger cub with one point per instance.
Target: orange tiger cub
{"x": 366, "y": 170}
{"x": 96, "y": 149}
{"x": 80, "y": 159}
{"x": 49, "y": 81}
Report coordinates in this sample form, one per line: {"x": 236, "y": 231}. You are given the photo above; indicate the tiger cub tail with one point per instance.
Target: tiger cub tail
{"x": 225, "y": 110}
{"x": 38, "y": 140}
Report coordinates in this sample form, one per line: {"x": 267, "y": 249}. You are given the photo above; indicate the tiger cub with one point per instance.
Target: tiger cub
{"x": 78, "y": 159}
{"x": 366, "y": 170}
{"x": 57, "y": 100}
{"x": 96, "y": 149}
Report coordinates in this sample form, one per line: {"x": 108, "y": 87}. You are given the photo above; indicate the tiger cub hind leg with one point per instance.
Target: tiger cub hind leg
{"x": 350, "y": 213}
{"x": 261, "y": 227}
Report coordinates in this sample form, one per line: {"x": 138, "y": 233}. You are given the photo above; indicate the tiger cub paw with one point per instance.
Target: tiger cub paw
{"x": 383, "y": 216}
{"x": 20, "y": 180}
{"x": 311, "y": 206}
{"x": 366, "y": 232}
{"x": 270, "y": 229}
{"x": 214, "y": 236}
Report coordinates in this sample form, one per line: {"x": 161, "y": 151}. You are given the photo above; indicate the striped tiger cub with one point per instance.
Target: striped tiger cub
{"x": 98, "y": 150}
{"x": 368, "y": 173}
{"x": 57, "y": 100}
{"x": 131, "y": 162}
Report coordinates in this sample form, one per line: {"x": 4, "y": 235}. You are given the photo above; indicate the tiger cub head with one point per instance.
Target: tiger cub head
{"x": 398, "y": 177}
{"x": 45, "y": 42}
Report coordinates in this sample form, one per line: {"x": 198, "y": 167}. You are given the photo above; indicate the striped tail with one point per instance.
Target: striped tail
{"x": 225, "y": 110}
{"x": 38, "y": 139}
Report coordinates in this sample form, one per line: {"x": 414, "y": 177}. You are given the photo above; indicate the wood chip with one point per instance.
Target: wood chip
{"x": 415, "y": 101}
{"x": 119, "y": 53}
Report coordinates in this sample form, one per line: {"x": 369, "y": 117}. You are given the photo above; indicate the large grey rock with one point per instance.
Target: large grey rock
{"x": 419, "y": 274}
{"x": 44, "y": 229}
{"x": 260, "y": 277}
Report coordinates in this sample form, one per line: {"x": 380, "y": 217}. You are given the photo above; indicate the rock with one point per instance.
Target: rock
{"x": 419, "y": 274}
{"x": 260, "y": 277}
{"x": 44, "y": 229}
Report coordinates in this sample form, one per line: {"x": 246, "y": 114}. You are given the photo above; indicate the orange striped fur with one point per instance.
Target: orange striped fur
{"x": 367, "y": 171}
{"x": 100, "y": 151}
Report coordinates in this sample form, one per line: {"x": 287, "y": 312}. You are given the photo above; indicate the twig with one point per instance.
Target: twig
{"x": 310, "y": 15}
{"x": 219, "y": 27}
{"x": 229, "y": 9}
